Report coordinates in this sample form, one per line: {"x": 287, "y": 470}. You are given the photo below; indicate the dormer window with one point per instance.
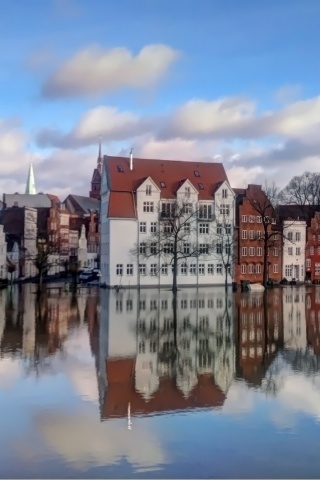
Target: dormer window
{"x": 201, "y": 186}
{"x": 120, "y": 168}
{"x": 162, "y": 184}
{"x": 196, "y": 173}
{"x": 148, "y": 190}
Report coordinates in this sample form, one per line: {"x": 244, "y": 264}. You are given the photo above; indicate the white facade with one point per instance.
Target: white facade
{"x": 294, "y": 318}
{"x": 121, "y": 238}
{"x": 30, "y": 240}
{"x": 294, "y": 249}
{"x": 140, "y": 325}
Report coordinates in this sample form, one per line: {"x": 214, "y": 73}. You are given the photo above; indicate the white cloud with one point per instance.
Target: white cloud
{"x": 240, "y": 399}
{"x": 95, "y": 71}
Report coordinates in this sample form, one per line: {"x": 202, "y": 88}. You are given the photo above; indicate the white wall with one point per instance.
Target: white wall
{"x": 294, "y": 265}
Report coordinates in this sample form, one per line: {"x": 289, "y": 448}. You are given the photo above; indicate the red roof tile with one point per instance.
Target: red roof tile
{"x": 122, "y": 205}
{"x": 171, "y": 172}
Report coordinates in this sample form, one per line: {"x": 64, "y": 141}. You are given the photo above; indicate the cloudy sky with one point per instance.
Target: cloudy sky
{"x": 221, "y": 79}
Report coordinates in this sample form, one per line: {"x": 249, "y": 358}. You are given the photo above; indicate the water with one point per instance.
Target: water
{"x": 108, "y": 385}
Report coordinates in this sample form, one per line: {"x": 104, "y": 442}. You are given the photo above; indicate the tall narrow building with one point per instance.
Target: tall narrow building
{"x": 31, "y": 186}
{"x": 96, "y": 177}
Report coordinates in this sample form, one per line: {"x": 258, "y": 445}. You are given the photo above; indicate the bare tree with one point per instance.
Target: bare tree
{"x": 43, "y": 259}
{"x": 302, "y": 190}
{"x": 175, "y": 238}
{"x": 223, "y": 247}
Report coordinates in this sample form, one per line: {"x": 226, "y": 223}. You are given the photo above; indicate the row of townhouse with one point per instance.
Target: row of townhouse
{"x": 69, "y": 230}
{"x": 149, "y": 208}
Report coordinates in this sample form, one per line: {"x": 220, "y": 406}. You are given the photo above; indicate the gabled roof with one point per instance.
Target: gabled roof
{"x": 164, "y": 172}
{"x": 81, "y": 205}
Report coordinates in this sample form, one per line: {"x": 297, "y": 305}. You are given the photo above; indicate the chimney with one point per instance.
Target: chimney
{"x": 131, "y": 159}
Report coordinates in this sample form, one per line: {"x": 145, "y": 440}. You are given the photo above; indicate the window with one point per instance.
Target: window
{"x": 250, "y": 268}
{"x": 252, "y": 218}
{"x": 148, "y": 207}
{"x": 204, "y": 228}
{"x": 308, "y": 263}
{"x": 148, "y": 190}
{"x": 120, "y": 168}
{"x": 275, "y": 268}
{"x": 142, "y": 248}
{"x": 142, "y": 269}
{"x": 193, "y": 269}
{"x": 260, "y": 234}
{"x": 228, "y": 248}
{"x": 204, "y": 249}
{"x": 259, "y": 219}
{"x": 167, "y": 228}
{"x": 298, "y": 236}
{"x": 311, "y": 250}
{"x": 259, "y": 251}
{"x": 275, "y": 252}
{"x": 119, "y": 269}
{"x": 129, "y": 269}
{"x": 290, "y": 250}
{"x": 153, "y": 227}
{"x": 143, "y": 227}
{"x": 164, "y": 304}
{"x": 167, "y": 210}
{"x": 153, "y": 249}
{"x": 184, "y": 269}
{"x": 186, "y": 248}
{"x": 290, "y": 236}
{"x": 224, "y": 209}
{"x": 251, "y": 251}
{"x": 201, "y": 268}
{"x": 251, "y": 234}
{"x": 186, "y": 228}
{"x": 187, "y": 208}
{"x": 168, "y": 248}
{"x": 244, "y": 234}
{"x": 244, "y": 218}
{"x": 205, "y": 211}
{"x": 258, "y": 268}
{"x": 298, "y": 251}
{"x": 219, "y": 248}
{"x": 244, "y": 251}
{"x": 224, "y": 193}
{"x": 201, "y": 186}
{"x": 153, "y": 269}
{"x": 163, "y": 184}
{"x": 317, "y": 269}
{"x": 228, "y": 229}
{"x": 219, "y": 229}
{"x": 243, "y": 269}
{"x": 187, "y": 191}
{"x": 164, "y": 269}
{"x": 288, "y": 270}
{"x": 210, "y": 269}
{"x": 219, "y": 269}
{"x": 196, "y": 173}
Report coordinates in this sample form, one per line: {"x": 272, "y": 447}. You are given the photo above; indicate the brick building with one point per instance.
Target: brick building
{"x": 96, "y": 177}
{"x": 253, "y": 214}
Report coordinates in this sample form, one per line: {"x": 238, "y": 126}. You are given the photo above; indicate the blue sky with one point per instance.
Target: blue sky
{"x": 228, "y": 79}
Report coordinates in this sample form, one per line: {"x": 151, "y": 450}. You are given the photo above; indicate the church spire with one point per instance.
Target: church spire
{"x": 31, "y": 186}
{"x": 99, "y": 164}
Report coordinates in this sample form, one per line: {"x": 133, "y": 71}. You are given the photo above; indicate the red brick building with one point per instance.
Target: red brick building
{"x": 96, "y": 178}
{"x": 313, "y": 319}
{"x": 313, "y": 249}
{"x": 251, "y": 206}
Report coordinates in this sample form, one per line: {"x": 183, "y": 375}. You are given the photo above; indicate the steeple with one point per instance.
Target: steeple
{"x": 31, "y": 186}
{"x": 99, "y": 164}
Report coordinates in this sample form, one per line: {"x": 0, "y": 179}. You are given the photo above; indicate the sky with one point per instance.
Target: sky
{"x": 213, "y": 80}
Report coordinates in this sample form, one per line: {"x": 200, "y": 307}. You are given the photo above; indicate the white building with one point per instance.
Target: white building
{"x": 3, "y": 254}
{"x": 294, "y": 249}
{"x": 137, "y": 199}
{"x": 294, "y": 318}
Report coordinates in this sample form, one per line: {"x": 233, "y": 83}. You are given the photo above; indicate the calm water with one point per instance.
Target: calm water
{"x": 108, "y": 385}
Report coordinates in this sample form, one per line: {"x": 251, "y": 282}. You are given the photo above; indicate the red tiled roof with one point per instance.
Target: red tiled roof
{"x": 124, "y": 182}
{"x": 171, "y": 172}
{"x": 122, "y": 205}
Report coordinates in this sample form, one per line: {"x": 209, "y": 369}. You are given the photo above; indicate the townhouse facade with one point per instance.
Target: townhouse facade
{"x": 139, "y": 199}
{"x": 313, "y": 249}
{"x": 249, "y": 258}
{"x": 294, "y": 250}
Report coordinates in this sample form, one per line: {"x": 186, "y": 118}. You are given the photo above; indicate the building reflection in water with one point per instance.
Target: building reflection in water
{"x": 154, "y": 361}
{"x": 34, "y": 329}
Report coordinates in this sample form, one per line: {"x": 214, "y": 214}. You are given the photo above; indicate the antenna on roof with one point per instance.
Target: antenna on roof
{"x": 131, "y": 159}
